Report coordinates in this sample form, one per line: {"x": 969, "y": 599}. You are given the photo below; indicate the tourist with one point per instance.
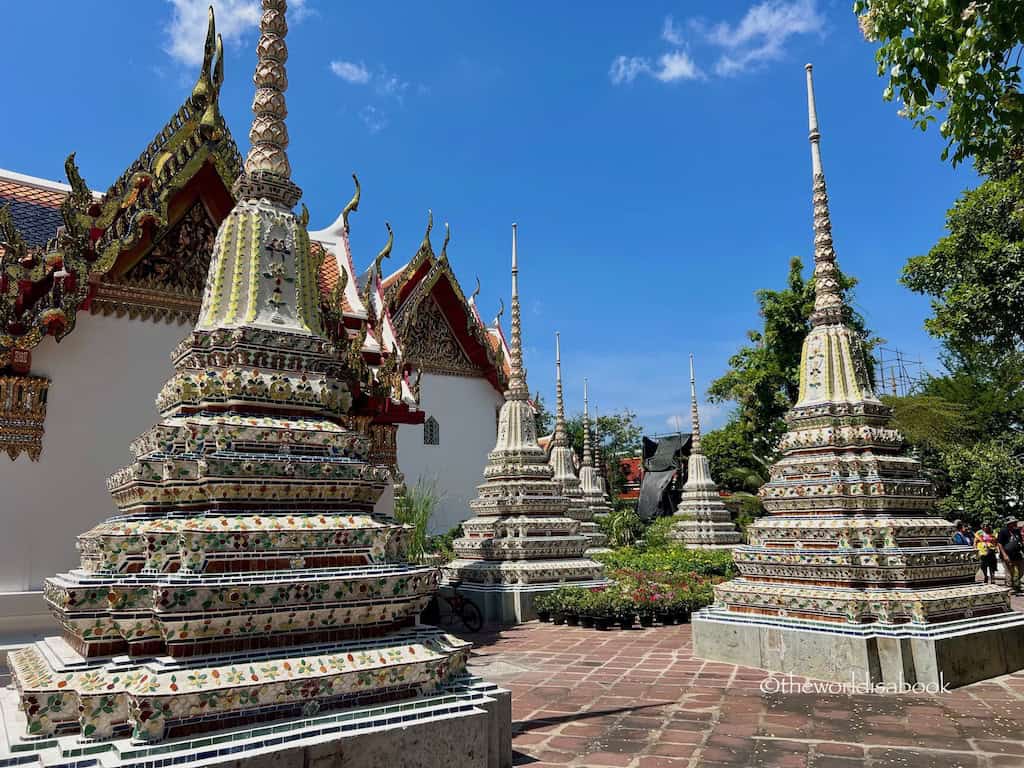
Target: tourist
{"x": 1012, "y": 552}
{"x": 960, "y": 537}
{"x": 985, "y": 541}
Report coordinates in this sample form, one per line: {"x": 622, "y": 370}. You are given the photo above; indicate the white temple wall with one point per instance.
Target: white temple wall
{"x": 465, "y": 409}
{"x": 104, "y": 378}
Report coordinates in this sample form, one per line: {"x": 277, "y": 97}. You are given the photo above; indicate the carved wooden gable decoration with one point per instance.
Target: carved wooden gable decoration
{"x": 431, "y": 344}
{"x": 166, "y": 283}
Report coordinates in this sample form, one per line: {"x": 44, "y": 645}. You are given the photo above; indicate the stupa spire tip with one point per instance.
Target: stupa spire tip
{"x": 828, "y": 300}
{"x": 517, "y": 378}
{"x": 267, "y": 172}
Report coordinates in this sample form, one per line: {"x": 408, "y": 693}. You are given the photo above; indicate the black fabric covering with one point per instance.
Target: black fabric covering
{"x": 662, "y": 459}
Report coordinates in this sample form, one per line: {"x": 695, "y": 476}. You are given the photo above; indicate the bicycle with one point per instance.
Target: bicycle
{"x": 458, "y": 606}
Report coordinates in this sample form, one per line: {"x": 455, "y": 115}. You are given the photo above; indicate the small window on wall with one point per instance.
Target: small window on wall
{"x": 431, "y": 432}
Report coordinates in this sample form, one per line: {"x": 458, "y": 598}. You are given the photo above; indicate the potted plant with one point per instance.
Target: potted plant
{"x": 587, "y": 608}
{"x": 644, "y": 600}
{"x": 663, "y": 604}
{"x": 603, "y": 609}
{"x": 543, "y": 605}
{"x": 678, "y": 605}
{"x": 572, "y": 600}
{"x": 625, "y": 611}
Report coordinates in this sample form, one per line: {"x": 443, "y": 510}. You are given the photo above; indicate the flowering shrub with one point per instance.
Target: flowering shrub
{"x": 636, "y": 593}
{"x": 674, "y": 559}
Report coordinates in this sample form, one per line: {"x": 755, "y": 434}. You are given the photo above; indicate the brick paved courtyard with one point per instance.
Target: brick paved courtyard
{"x": 639, "y": 699}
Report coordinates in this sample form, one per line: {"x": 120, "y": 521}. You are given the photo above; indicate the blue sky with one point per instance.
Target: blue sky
{"x": 654, "y": 155}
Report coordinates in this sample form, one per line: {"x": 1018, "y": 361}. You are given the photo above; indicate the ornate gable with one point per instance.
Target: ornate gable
{"x": 167, "y": 283}
{"x": 431, "y": 344}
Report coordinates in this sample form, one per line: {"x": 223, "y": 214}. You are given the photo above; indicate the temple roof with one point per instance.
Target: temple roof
{"x": 65, "y": 248}
{"x": 34, "y": 204}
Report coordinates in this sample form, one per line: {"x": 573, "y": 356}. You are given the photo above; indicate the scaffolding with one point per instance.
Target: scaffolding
{"x": 895, "y": 373}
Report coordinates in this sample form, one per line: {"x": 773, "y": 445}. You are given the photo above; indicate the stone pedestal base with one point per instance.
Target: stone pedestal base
{"x": 506, "y": 604}
{"x": 950, "y": 655}
{"x": 466, "y": 725}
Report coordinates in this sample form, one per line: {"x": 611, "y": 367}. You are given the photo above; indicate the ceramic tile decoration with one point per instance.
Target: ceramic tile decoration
{"x": 245, "y": 577}
{"x": 595, "y": 492}
{"x": 850, "y": 547}
{"x": 563, "y": 464}
{"x": 520, "y": 539}
{"x": 704, "y": 522}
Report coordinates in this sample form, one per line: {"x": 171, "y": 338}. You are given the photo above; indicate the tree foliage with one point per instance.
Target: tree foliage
{"x": 543, "y": 419}
{"x": 763, "y": 378}
{"x": 618, "y": 435}
{"x": 986, "y": 479}
{"x": 733, "y": 465}
{"x": 954, "y": 57}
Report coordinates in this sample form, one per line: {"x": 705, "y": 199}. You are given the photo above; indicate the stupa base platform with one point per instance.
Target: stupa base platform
{"x": 465, "y": 724}
{"x": 508, "y": 604}
{"x": 886, "y": 658}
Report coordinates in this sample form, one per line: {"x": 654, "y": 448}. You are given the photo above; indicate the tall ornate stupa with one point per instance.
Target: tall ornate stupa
{"x": 850, "y": 577}
{"x": 520, "y": 542}
{"x": 704, "y": 522}
{"x": 244, "y": 590}
{"x": 591, "y": 482}
{"x": 563, "y": 464}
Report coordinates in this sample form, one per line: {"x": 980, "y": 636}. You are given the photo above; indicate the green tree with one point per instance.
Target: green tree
{"x": 733, "y": 465}
{"x": 975, "y": 274}
{"x": 986, "y": 478}
{"x": 542, "y": 417}
{"x": 619, "y": 437}
{"x": 763, "y": 378}
{"x": 957, "y": 57}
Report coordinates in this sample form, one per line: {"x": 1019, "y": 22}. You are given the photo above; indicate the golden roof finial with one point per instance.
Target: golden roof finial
{"x": 425, "y": 245}
{"x": 444, "y": 245}
{"x": 385, "y": 252}
{"x": 206, "y": 91}
{"x": 353, "y": 204}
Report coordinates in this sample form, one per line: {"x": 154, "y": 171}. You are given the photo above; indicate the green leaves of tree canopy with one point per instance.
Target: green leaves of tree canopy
{"x": 764, "y": 376}
{"x": 975, "y": 274}
{"x": 954, "y": 56}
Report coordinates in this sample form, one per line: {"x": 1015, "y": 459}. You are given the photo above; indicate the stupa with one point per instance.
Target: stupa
{"x": 850, "y": 577}
{"x": 520, "y": 543}
{"x": 245, "y": 591}
{"x": 591, "y": 482}
{"x": 704, "y": 521}
{"x": 563, "y": 464}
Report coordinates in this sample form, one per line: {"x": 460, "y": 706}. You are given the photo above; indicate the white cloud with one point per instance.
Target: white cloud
{"x": 385, "y": 83}
{"x": 351, "y": 72}
{"x": 762, "y": 33}
{"x": 670, "y": 33}
{"x": 626, "y": 68}
{"x": 390, "y": 84}
{"x": 677, "y": 65}
{"x": 758, "y": 37}
{"x": 670, "y": 67}
{"x": 186, "y": 31}
{"x": 374, "y": 120}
